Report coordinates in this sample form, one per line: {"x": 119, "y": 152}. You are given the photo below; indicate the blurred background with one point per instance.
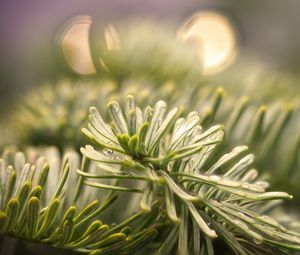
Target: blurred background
{"x": 249, "y": 47}
{"x": 260, "y": 34}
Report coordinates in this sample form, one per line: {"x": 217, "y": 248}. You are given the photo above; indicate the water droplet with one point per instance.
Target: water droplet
{"x": 215, "y": 178}
{"x": 246, "y": 185}
{"x": 117, "y": 158}
{"x": 258, "y": 241}
{"x": 265, "y": 217}
{"x": 237, "y": 222}
{"x": 239, "y": 214}
{"x": 108, "y": 152}
{"x": 215, "y": 202}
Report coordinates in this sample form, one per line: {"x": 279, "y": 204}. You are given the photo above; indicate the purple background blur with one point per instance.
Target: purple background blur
{"x": 270, "y": 29}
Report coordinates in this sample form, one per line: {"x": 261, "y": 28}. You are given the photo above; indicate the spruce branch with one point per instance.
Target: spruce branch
{"x": 37, "y": 204}
{"x": 54, "y": 114}
{"x": 208, "y": 196}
